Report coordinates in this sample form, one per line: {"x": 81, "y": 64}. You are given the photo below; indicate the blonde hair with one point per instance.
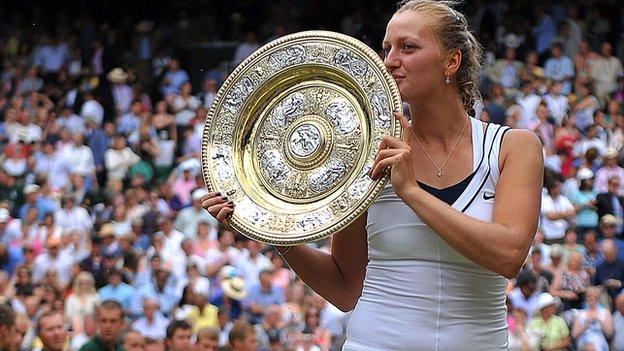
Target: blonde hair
{"x": 451, "y": 29}
{"x": 76, "y": 289}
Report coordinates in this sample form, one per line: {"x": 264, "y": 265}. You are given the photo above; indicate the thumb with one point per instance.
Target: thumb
{"x": 405, "y": 124}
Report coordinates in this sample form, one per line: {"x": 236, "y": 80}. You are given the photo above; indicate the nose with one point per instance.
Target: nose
{"x": 391, "y": 60}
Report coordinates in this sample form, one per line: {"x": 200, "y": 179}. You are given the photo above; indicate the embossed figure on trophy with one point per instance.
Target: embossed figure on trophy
{"x": 342, "y": 116}
{"x": 305, "y": 140}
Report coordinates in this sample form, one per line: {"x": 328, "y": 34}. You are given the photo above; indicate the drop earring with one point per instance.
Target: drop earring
{"x": 447, "y": 80}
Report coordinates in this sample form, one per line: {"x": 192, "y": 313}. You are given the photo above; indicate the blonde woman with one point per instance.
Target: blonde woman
{"x": 428, "y": 264}
{"x": 593, "y": 325}
{"x": 82, "y": 300}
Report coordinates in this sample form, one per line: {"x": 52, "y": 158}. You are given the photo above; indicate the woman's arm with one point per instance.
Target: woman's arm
{"x": 500, "y": 245}
{"x": 607, "y": 325}
{"x": 337, "y": 276}
{"x": 578, "y": 327}
{"x": 556, "y": 291}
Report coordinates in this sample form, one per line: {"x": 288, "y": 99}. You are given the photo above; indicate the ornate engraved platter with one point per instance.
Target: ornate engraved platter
{"x": 293, "y": 133}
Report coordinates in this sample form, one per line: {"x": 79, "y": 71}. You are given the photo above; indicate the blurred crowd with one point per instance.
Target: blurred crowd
{"x": 103, "y": 241}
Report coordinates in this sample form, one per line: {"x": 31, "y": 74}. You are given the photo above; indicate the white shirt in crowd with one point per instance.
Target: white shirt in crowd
{"x": 118, "y": 162}
{"x": 554, "y": 229}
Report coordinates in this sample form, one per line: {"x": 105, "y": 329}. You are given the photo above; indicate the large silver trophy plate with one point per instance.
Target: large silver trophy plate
{"x": 293, "y": 133}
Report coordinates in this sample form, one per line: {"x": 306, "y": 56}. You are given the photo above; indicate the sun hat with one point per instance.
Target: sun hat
{"x": 234, "y": 288}
{"x": 117, "y": 75}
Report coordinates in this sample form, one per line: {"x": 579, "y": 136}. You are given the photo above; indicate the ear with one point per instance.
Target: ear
{"x": 452, "y": 62}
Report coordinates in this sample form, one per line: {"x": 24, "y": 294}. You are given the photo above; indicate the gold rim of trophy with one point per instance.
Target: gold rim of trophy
{"x": 293, "y": 132}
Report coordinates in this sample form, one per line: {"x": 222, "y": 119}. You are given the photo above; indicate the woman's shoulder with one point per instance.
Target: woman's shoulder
{"x": 522, "y": 144}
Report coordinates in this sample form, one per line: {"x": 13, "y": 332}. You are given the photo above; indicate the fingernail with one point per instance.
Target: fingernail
{"x": 218, "y": 193}
{"x": 224, "y": 197}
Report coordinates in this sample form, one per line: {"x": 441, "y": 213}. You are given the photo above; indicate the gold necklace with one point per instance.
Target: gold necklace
{"x": 447, "y": 156}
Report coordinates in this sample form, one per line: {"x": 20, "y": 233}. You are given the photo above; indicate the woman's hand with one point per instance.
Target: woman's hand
{"x": 219, "y": 206}
{"x": 397, "y": 154}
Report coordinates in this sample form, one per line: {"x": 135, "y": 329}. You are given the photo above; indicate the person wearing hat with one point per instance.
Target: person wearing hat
{"x": 552, "y": 328}
{"x": 584, "y": 201}
{"x": 611, "y": 202}
{"x": 233, "y": 292}
{"x": 608, "y": 230}
{"x": 122, "y": 93}
{"x": 189, "y": 217}
{"x": 609, "y": 170}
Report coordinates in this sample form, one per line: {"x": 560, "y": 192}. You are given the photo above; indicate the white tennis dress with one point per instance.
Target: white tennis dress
{"x": 420, "y": 293}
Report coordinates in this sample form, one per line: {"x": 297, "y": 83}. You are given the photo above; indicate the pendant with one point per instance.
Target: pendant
{"x": 439, "y": 173}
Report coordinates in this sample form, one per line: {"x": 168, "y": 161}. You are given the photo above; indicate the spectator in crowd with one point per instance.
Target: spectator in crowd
{"x": 119, "y": 159}
{"x": 207, "y": 339}
{"x": 7, "y": 327}
{"x": 559, "y": 68}
{"x": 618, "y": 323}
{"x": 52, "y": 331}
{"x": 242, "y": 337}
{"x": 117, "y": 290}
{"x": 593, "y": 256}
{"x": 153, "y": 324}
{"x": 82, "y": 300}
{"x": 570, "y": 285}
{"x": 610, "y": 170}
{"x": 557, "y": 102}
{"x": 584, "y": 201}
{"x": 611, "y": 203}
{"x": 189, "y": 217}
{"x": 610, "y": 273}
{"x": 173, "y": 79}
{"x": 110, "y": 322}
{"x": 263, "y": 295}
{"x": 204, "y": 314}
{"x": 557, "y": 213}
{"x": 521, "y": 338}
{"x": 132, "y": 341}
{"x": 208, "y": 93}
{"x": 594, "y": 324}
{"x": 552, "y": 328}
{"x": 507, "y": 72}
{"x": 604, "y": 71}
{"x": 121, "y": 92}
{"x": 179, "y": 336}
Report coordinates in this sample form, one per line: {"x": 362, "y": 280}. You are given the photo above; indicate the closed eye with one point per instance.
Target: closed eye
{"x": 385, "y": 52}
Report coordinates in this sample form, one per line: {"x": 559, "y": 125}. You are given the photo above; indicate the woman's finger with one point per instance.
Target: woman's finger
{"x": 388, "y": 141}
{"x": 407, "y": 128}
{"x": 383, "y": 164}
{"x": 224, "y": 213}
{"x": 215, "y": 200}
{"x": 210, "y": 195}
{"x": 214, "y": 210}
{"x": 385, "y": 154}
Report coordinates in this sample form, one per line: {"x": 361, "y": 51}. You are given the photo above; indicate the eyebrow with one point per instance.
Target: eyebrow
{"x": 403, "y": 39}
